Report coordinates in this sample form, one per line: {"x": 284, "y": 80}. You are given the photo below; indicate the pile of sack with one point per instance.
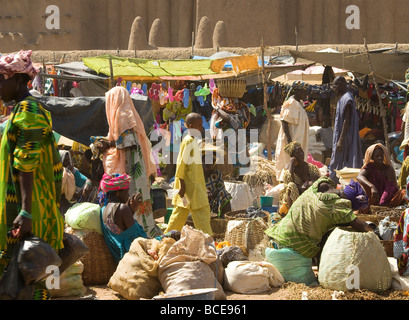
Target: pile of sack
{"x": 193, "y": 262}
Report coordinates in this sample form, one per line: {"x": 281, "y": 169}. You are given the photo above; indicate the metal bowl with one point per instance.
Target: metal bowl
{"x": 193, "y": 294}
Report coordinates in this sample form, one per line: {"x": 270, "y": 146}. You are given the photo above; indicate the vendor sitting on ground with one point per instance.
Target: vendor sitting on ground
{"x": 117, "y": 214}
{"x": 298, "y": 176}
{"x": 219, "y": 198}
{"x": 378, "y": 178}
{"x": 316, "y": 213}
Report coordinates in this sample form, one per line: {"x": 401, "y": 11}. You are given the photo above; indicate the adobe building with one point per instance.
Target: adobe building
{"x": 148, "y": 24}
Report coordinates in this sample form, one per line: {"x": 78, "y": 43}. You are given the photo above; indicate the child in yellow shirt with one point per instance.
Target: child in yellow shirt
{"x": 189, "y": 179}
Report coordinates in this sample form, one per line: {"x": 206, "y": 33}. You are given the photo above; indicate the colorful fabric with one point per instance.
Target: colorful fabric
{"x": 292, "y": 183}
{"x": 357, "y": 195}
{"x": 310, "y": 218}
{"x": 351, "y": 154}
{"x": 119, "y": 244}
{"x": 201, "y": 219}
{"x": 28, "y": 145}
{"x": 388, "y": 190}
{"x": 289, "y": 148}
{"x": 401, "y": 244}
{"x": 122, "y": 115}
{"x": 114, "y": 182}
{"x": 189, "y": 168}
{"x": 294, "y": 114}
{"x": 215, "y": 184}
{"x": 140, "y": 183}
{"x": 174, "y": 111}
{"x": 404, "y": 173}
{"x": 390, "y": 195}
{"x": 17, "y": 63}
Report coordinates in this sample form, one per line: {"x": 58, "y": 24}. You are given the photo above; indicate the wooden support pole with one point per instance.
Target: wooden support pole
{"x": 382, "y": 108}
{"x": 111, "y": 73}
{"x": 267, "y": 111}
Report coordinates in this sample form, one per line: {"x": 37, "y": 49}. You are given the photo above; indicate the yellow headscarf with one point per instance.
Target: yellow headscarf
{"x": 289, "y": 148}
{"x": 369, "y": 152}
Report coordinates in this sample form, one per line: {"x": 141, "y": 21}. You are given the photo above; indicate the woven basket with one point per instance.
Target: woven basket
{"x": 383, "y": 212}
{"x": 231, "y": 88}
{"x": 218, "y": 227}
{"x": 388, "y": 246}
{"x": 240, "y": 215}
{"x": 376, "y": 218}
{"x": 246, "y": 234}
{"x": 99, "y": 265}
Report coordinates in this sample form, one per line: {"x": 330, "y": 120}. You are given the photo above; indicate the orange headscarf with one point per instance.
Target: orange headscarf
{"x": 122, "y": 115}
{"x": 369, "y": 152}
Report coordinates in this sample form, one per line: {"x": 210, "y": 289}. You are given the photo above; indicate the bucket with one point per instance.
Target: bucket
{"x": 266, "y": 201}
{"x": 168, "y": 214}
{"x": 158, "y": 202}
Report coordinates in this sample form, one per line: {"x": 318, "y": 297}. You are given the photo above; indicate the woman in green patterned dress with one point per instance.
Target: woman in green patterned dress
{"x": 30, "y": 165}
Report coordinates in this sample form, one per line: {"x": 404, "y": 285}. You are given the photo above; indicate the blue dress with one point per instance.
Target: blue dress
{"x": 119, "y": 243}
{"x": 351, "y": 155}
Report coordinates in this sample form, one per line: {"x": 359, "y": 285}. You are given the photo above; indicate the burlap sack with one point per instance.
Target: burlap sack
{"x": 188, "y": 275}
{"x": 186, "y": 265}
{"x": 136, "y": 276}
{"x": 349, "y": 257}
{"x": 250, "y": 277}
{"x": 193, "y": 245}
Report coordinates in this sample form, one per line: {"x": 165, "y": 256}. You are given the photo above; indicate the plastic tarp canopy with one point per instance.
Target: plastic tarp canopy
{"x": 183, "y": 69}
{"x": 82, "y": 117}
{"x": 143, "y": 69}
{"x": 387, "y": 66}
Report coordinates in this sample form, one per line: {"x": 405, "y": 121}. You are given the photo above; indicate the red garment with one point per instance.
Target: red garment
{"x": 386, "y": 189}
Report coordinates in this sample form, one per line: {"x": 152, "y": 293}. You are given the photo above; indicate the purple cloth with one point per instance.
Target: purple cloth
{"x": 356, "y": 194}
{"x": 351, "y": 155}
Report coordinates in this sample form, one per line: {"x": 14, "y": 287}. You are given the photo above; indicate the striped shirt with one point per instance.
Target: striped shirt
{"x": 310, "y": 217}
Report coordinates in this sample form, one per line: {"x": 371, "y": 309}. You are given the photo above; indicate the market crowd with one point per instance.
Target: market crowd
{"x": 39, "y": 181}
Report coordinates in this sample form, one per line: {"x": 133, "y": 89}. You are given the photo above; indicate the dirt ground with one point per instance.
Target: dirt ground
{"x": 289, "y": 291}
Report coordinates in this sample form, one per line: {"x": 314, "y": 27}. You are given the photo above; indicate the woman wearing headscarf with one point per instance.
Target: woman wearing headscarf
{"x": 30, "y": 165}
{"x": 315, "y": 213}
{"x": 127, "y": 150}
{"x": 118, "y": 225}
{"x": 297, "y": 177}
{"x": 294, "y": 125}
{"x": 378, "y": 178}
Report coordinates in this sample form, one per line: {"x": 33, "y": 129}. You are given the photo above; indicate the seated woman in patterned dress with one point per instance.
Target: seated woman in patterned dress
{"x": 298, "y": 176}
{"x": 118, "y": 224}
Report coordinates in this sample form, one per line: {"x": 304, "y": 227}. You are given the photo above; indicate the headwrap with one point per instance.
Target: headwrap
{"x": 369, "y": 152}
{"x": 289, "y": 148}
{"x": 122, "y": 115}
{"x": 356, "y": 194}
{"x": 297, "y": 85}
{"x": 17, "y": 63}
{"x": 111, "y": 183}
{"x": 114, "y": 182}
